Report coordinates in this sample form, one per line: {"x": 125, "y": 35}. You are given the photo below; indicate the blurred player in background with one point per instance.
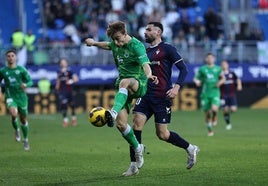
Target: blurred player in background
{"x": 64, "y": 86}
{"x": 158, "y": 98}
{"x": 16, "y": 80}
{"x": 134, "y": 71}
{"x": 228, "y": 93}
{"x": 210, "y": 77}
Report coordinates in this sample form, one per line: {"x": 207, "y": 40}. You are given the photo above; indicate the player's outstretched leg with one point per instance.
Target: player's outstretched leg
{"x": 119, "y": 101}
{"x": 110, "y": 116}
{"x": 133, "y": 169}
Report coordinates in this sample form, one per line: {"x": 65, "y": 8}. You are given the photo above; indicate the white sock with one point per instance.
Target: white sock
{"x": 133, "y": 163}
{"x": 65, "y": 119}
{"x": 127, "y": 130}
{"x": 190, "y": 148}
{"x": 114, "y": 113}
{"x": 138, "y": 149}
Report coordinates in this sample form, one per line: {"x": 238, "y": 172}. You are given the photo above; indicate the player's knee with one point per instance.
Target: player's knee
{"x": 233, "y": 109}
{"x": 13, "y": 112}
{"x": 138, "y": 123}
{"x": 162, "y": 135}
{"x": 23, "y": 119}
{"x": 121, "y": 126}
{"x": 124, "y": 83}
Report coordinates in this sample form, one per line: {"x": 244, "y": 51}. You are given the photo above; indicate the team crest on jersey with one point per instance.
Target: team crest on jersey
{"x": 157, "y": 52}
{"x": 126, "y": 55}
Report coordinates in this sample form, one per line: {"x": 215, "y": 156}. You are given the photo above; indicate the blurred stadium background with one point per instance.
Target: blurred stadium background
{"x": 233, "y": 30}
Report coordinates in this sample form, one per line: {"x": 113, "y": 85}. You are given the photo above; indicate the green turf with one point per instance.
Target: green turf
{"x": 86, "y": 155}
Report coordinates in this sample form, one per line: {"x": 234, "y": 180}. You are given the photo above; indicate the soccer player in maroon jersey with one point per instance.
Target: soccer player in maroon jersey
{"x": 158, "y": 99}
{"x": 64, "y": 85}
{"x": 228, "y": 93}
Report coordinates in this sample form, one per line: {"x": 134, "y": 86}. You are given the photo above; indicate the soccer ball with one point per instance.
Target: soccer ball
{"x": 97, "y": 116}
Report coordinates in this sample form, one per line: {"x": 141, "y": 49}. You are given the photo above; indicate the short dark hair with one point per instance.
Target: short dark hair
{"x": 157, "y": 24}
{"x": 210, "y": 54}
{"x": 11, "y": 51}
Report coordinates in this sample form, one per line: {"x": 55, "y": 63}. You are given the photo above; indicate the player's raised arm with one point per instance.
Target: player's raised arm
{"x": 148, "y": 72}
{"x": 100, "y": 44}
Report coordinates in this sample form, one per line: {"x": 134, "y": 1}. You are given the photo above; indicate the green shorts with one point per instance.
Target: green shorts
{"x": 207, "y": 102}
{"x": 139, "y": 93}
{"x": 20, "y": 102}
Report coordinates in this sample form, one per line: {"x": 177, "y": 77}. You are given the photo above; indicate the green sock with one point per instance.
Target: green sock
{"x": 120, "y": 99}
{"x": 15, "y": 124}
{"x": 128, "y": 134}
{"x": 25, "y": 130}
{"x": 209, "y": 126}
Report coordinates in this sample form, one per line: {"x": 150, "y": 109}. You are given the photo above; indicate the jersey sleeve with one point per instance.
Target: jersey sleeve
{"x": 26, "y": 77}
{"x": 235, "y": 76}
{"x": 198, "y": 75}
{"x": 173, "y": 54}
{"x": 140, "y": 52}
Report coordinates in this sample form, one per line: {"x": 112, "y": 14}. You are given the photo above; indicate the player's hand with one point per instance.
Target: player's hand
{"x": 89, "y": 42}
{"x": 198, "y": 83}
{"x": 154, "y": 79}
{"x": 23, "y": 86}
{"x": 172, "y": 93}
{"x": 69, "y": 82}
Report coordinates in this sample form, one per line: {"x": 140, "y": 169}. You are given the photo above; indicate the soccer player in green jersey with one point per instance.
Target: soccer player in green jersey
{"x": 210, "y": 77}
{"x": 134, "y": 71}
{"x": 16, "y": 79}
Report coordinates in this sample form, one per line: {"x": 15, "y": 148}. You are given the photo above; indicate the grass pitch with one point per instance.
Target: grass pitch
{"x": 87, "y": 155}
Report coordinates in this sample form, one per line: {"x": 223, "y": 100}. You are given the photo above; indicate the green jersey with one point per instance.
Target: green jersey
{"x": 209, "y": 76}
{"x": 129, "y": 59}
{"x": 13, "y": 78}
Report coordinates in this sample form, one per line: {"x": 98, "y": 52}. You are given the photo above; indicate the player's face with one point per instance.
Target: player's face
{"x": 119, "y": 39}
{"x": 210, "y": 59}
{"x": 224, "y": 65}
{"x": 63, "y": 63}
{"x": 151, "y": 33}
{"x": 11, "y": 58}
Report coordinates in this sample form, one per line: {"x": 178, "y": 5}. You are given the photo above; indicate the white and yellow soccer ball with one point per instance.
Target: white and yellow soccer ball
{"x": 97, "y": 116}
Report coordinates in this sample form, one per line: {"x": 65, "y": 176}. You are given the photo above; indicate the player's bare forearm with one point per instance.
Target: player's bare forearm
{"x": 100, "y": 44}
{"x": 73, "y": 80}
{"x": 239, "y": 85}
{"x": 197, "y": 82}
{"x": 221, "y": 81}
